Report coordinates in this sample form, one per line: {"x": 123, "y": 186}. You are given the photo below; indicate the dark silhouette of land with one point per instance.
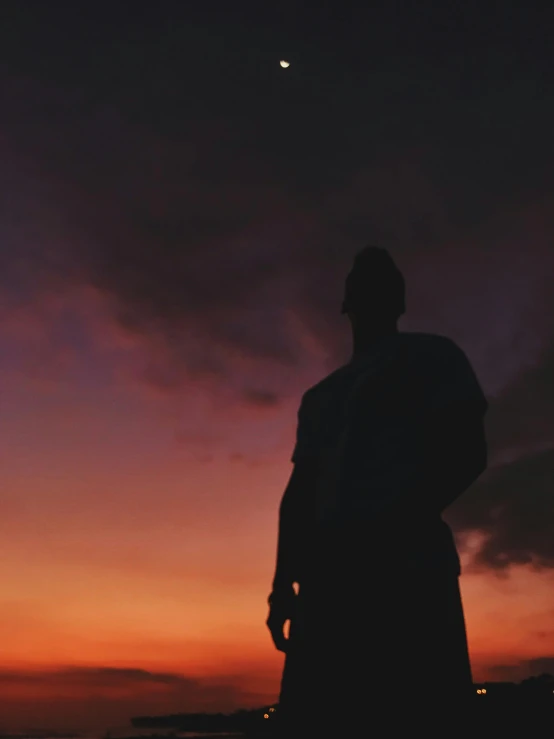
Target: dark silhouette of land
{"x": 496, "y": 706}
{"x": 367, "y": 570}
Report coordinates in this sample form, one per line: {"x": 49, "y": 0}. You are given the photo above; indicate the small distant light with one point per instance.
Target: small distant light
{"x": 479, "y": 691}
{"x": 284, "y": 63}
{"x": 266, "y": 715}
{"x": 484, "y": 691}
{"x": 272, "y": 710}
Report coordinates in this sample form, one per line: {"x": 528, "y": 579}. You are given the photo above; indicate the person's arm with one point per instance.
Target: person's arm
{"x": 294, "y": 508}
{"x": 293, "y": 540}
{"x": 455, "y": 455}
{"x": 293, "y": 528}
{"x": 448, "y": 451}
{"x": 451, "y": 455}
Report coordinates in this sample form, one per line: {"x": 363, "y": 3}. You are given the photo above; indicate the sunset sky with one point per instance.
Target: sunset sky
{"x": 177, "y": 216}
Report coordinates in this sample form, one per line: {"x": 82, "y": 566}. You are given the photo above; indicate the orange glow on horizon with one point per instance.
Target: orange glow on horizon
{"x": 136, "y": 560}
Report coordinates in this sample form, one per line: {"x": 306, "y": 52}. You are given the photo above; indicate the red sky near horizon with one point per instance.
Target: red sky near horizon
{"x": 168, "y": 292}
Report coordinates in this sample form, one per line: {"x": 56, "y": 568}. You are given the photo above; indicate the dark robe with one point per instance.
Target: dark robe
{"x": 378, "y": 630}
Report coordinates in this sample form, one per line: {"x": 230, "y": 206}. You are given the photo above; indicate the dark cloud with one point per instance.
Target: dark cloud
{"x": 119, "y": 684}
{"x": 522, "y": 416}
{"x": 96, "y": 676}
{"x": 96, "y": 697}
{"x": 541, "y": 665}
{"x": 251, "y": 460}
{"x": 522, "y": 670}
{"x": 211, "y": 225}
{"x": 513, "y": 506}
{"x": 261, "y": 398}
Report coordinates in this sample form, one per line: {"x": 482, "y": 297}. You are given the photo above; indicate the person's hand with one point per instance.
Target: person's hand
{"x": 281, "y": 609}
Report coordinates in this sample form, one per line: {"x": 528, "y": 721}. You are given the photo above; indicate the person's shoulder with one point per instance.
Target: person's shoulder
{"x": 445, "y": 365}
{"x": 422, "y": 340}
{"x": 327, "y": 385}
{"x": 432, "y": 346}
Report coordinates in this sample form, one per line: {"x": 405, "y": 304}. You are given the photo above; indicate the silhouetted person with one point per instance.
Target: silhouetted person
{"x": 384, "y": 445}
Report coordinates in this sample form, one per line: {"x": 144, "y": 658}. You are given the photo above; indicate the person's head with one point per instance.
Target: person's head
{"x": 374, "y": 293}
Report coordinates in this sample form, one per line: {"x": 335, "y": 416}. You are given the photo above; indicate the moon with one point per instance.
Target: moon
{"x": 284, "y": 63}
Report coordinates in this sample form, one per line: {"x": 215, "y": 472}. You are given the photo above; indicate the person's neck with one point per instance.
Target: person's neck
{"x": 365, "y": 336}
